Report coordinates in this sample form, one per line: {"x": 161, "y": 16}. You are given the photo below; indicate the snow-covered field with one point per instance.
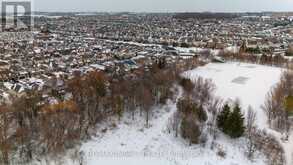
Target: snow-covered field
{"x": 247, "y": 82}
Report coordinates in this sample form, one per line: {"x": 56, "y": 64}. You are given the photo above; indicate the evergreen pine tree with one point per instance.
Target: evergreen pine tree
{"x": 235, "y": 124}
{"x": 223, "y": 117}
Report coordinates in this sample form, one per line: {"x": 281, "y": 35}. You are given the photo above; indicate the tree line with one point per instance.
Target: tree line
{"x": 277, "y": 104}
{"x": 263, "y": 59}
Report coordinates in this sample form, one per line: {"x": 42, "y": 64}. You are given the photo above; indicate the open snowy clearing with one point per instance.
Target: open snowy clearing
{"x": 250, "y": 84}
{"x": 131, "y": 143}
{"x": 247, "y": 82}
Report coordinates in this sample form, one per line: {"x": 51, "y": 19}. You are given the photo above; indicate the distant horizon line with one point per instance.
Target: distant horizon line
{"x": 163, "y": 12}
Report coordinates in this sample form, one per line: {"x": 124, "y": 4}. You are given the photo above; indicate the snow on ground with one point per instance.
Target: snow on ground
{"x": 197, "y": 50}
{"x": 131, "y": 143}
{"x": 249, "y": 83}
{"x": 232, "y": 49}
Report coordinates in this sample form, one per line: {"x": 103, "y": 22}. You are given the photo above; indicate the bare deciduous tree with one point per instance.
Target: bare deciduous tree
{"x": 214, "y": 107}
{"x": 250, "y": 128}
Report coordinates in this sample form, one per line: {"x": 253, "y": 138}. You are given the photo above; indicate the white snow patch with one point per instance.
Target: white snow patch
{"x": 250, "y": 84}
{"x": 131, "y": 143}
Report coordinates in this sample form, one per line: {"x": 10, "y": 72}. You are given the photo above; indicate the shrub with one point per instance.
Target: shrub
{"x": 190, "y": 129}
{"x": 187, "y": 84}
{"x": 192, "y": 116}
{"x": 221, "y": 153}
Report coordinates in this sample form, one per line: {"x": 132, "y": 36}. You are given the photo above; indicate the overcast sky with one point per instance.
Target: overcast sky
{"x": 163, "y": 5}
